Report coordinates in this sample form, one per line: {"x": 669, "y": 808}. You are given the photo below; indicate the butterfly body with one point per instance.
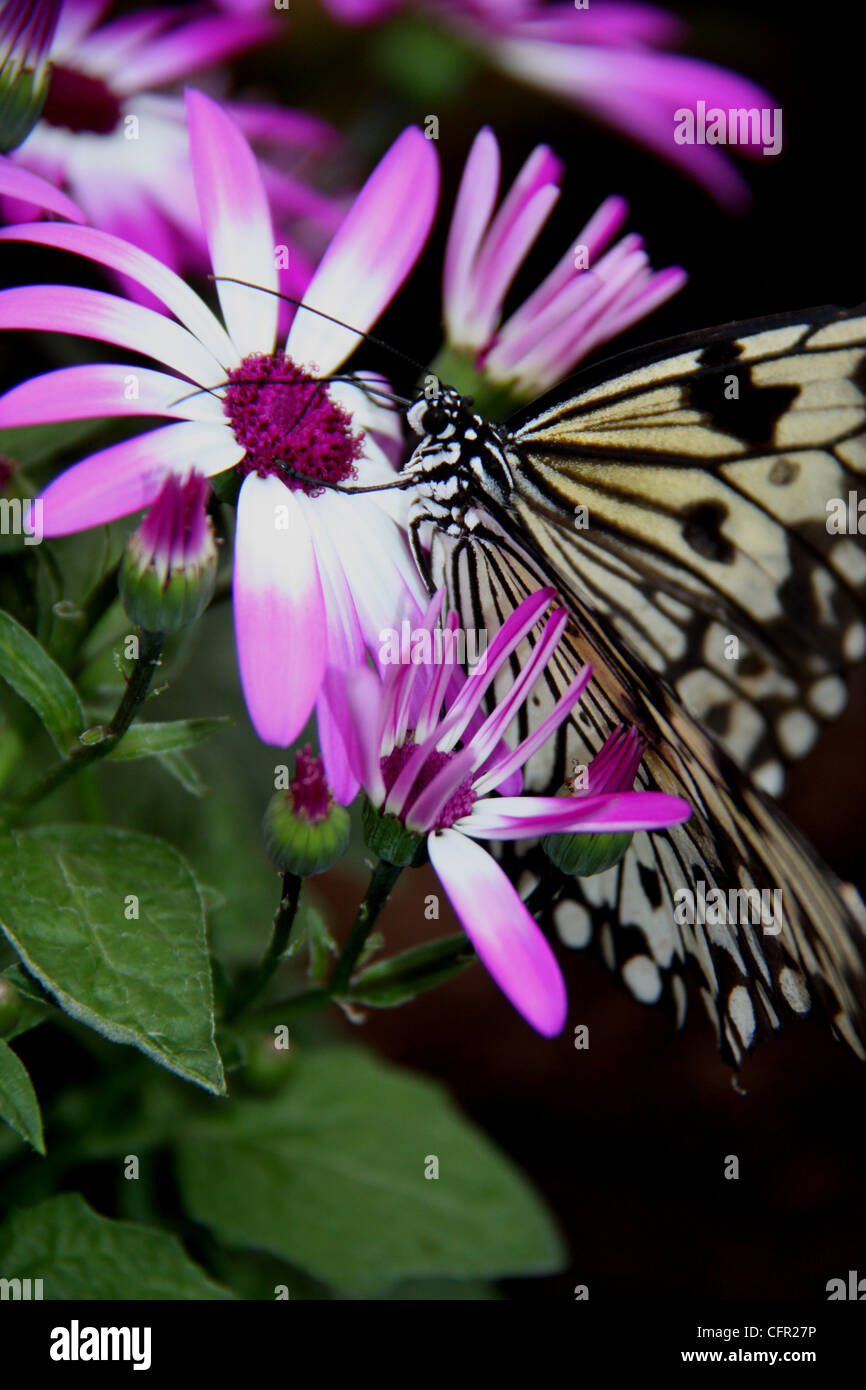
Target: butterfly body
{"x": 677, "y": 501}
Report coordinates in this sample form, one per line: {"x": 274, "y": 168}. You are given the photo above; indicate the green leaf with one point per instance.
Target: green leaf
{"x": 80, "y": 1255}
{"x": 18, "y": 1104}
{"x": 33, "y": 675}
{"x": 320, "y": 944}
{"x": 64, "y": 894}
{"x": 183, "y": 771}
{"x": 329, "y": 1175}
{"x": 403, "y": 977}
{"x": 155, "y": 740}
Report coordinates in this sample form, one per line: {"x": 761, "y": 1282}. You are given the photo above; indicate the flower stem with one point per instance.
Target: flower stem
{"x": 150, "y": 654}
{"x": 384, "y": 877}
{"x": 284, "y": 919}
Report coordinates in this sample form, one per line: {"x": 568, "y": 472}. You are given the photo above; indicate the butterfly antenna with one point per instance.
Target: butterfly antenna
{"x": 300, "y": 304}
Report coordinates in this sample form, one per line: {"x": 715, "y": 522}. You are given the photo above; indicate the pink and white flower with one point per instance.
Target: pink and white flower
{"x": 436, "y": 776}
{"x": 316, "y": 577}
{"x": 609, "y": 58}
{"x": 590, "y": 296}
{"x": 118, "y": 144}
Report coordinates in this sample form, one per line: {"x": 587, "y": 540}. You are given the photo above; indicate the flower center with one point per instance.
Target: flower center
{"x": 458, "y": 804}
{"x": 285, "y": 418}
{"x": 79, "y": 102}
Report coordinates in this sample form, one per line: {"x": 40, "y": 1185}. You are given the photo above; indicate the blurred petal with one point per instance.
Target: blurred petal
{"x": 237, "y": 221}
{"x": 374, "y": 250}
{"x": 510, "y": 944}
{"x": 30, "y": 188}
{"x": 280, "y": 620}
{"x": 195, "y": 44}
{"x": 473, "y": 210}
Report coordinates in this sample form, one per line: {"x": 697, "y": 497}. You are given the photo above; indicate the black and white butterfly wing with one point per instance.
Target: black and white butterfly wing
{"x": 694, "y": 501}
{"x": 814, "y": 956}
{"x": 706, "y": 466}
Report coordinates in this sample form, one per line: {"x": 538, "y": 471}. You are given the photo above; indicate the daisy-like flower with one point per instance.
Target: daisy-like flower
{"x": 606, "y": 57}
{"x": 419, "y": 776}
{"x": 592, "y": 294}
{"x": 120, "y": 149}
{"x": 317, "y": 574}
{"x": 26, "y": 30}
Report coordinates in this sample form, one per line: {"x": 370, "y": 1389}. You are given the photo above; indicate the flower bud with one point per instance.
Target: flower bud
{"x": 26, "y": 31}
{"x": 613, "y": 769}
{"x": 305, "y": 830}
{"x": 168, "y": 570}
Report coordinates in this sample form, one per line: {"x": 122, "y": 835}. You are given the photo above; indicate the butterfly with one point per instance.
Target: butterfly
{"x": 677, "y": 498}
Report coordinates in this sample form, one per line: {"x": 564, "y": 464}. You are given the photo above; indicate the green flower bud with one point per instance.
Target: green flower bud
{"x": 585, "y": 855}
{"x": 390, "y": 840}
{"x": 305, "y": 831}
{"x": 26, "y": 33}
{"x": 168, "y": 570}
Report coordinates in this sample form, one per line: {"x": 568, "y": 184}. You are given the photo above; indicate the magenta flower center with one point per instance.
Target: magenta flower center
{"x": 80, "y": 103}
{"x": 458, "y": 804}
{"x": 286, "y": 419}
{"x": 311, "y": 797}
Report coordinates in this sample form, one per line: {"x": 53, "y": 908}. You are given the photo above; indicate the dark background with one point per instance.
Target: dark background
{"x": 628, "y": 1140}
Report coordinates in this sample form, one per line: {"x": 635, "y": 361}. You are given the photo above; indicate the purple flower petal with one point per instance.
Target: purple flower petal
{"x": 30, "y": 188}
{"x": 369, "y": 258}
{"x": 280, "y": 620}
{"x": 364, "y": 698}
{"x": 476, "y": 199}
{"x": 94, "y": 314}
{"x": 237, "y": 221}
{"x": 337, "y": 741}
{"x": 191, "y": 46}
{"x": 88, "y": 392}
{"x": 524, "y": 817}
{"x": 510, "y": 944}
{"x": 146, "y": 270}
{"x": 128, "y": 476}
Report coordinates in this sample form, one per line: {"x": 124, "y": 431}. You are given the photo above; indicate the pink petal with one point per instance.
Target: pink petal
{"x": 237, "y": 220}
{"x": 476, "y": 199}
{"x": 364, "y": 701}
{"x": 146, "y": 270}
{"x": 374, "y": 250}
{"x": 94, "y": 314}
{"x": 196, "y": 44}
{"x": 280, "y": 619}
{"x": 89, "y": 392}
{"x": 16, "y": 182}
{"x": 128, "y": 476}
{"x": 337, "y": 742}
{"x": 524, "y": 817}
{"x": 509, "y": 943}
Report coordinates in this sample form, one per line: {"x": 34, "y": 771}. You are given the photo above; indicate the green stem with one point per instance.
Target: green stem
{"x": 384, "y": 877}
{"x": 284, "y": 918}
{"x": 135, "y": 693}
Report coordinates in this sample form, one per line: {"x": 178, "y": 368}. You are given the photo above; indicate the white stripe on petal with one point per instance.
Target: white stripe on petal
{"x": 237, "y": 220}
{"x": 280, "y": 621}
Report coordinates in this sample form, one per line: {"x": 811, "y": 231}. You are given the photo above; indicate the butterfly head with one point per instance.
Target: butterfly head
{"x": 439, "y": 411}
